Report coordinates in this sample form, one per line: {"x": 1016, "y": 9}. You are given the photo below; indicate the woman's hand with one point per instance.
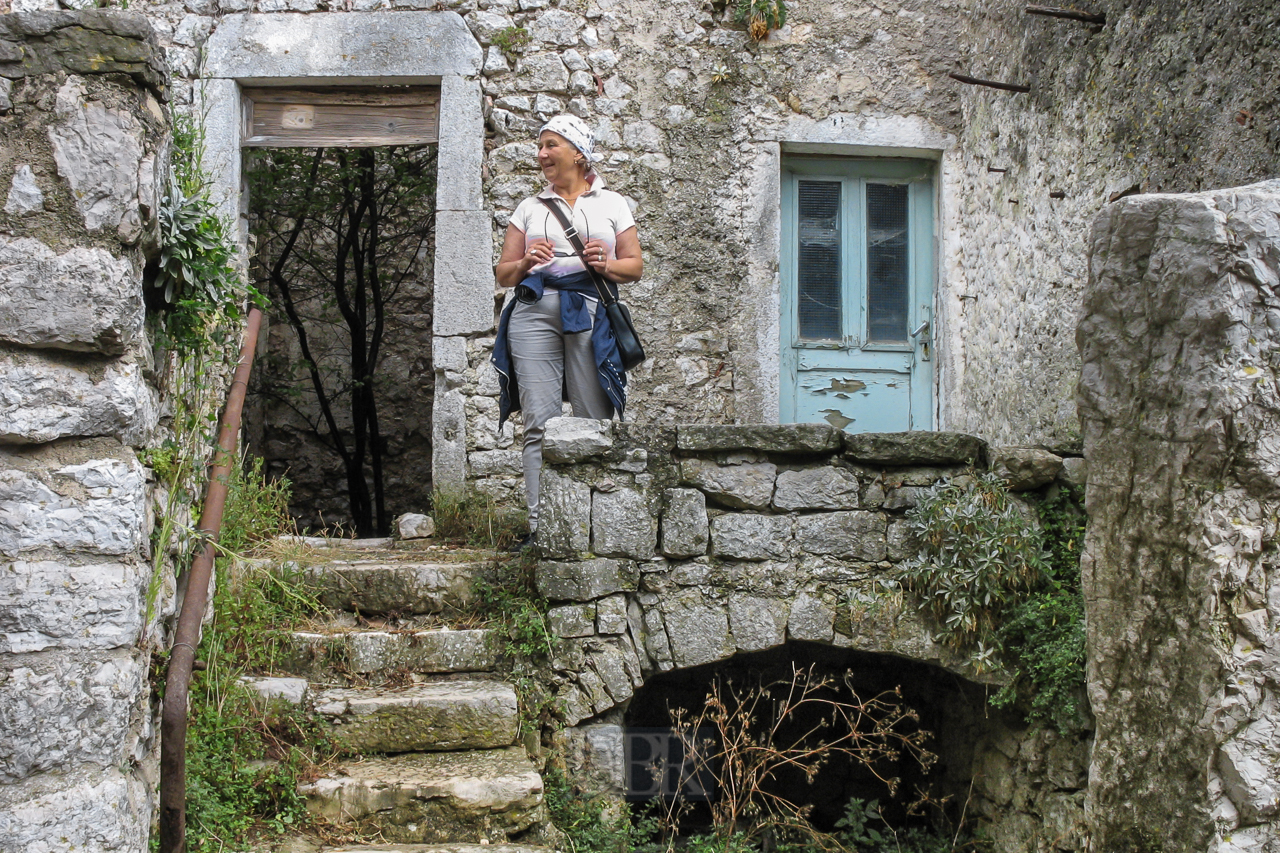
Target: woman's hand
{"x": 596, "y": 254}
{"x": 517, "y": 259}
{"x": 538, "y": 252}
{"x": 625, "y": 265}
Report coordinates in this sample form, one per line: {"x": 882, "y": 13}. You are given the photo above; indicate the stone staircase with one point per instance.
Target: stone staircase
{"x": 434, "y": 730}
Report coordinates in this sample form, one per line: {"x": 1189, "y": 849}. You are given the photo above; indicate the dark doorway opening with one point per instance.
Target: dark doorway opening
{"x": 341, "y": 403}
{"x": 954, "y": 711}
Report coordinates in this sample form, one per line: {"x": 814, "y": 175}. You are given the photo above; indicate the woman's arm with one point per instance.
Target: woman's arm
{"x": 627, "y": 265}
{"x": 516, "y": 260}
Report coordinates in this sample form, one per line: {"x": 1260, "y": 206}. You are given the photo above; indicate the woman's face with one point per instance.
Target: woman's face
{"x": 557, "y": 156}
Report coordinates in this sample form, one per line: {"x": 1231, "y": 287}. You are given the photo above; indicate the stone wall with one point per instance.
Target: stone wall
{"x": 1182, "y": 423}
{"x": 669, "y": 548}
{"x": 82, "y": 140}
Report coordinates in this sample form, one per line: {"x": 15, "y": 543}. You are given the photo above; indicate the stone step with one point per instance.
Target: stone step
{"x": 441, "y": 848}
{"x": 322, "y": 655}
{"x": 435, "y": 798}
{"x": 440, "y": 716}
{"x": 401, "y": 587}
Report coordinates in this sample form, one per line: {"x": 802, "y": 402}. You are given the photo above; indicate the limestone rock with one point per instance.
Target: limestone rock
{"x": 542, "y": 72}
{"x": 622, "y": 526}
{"x": 443, "y": 716}
{"x": 290, "y": 690}
{"x": 487, "y": 24}
{"x": 564, "y": 516}
{"x": 747, "y": 536}
{"x": 97, "y": 507}
{"x": 586, "y": 580}
{"x": 572, "y": 620}
{"x": 41, "y": 401}
{"x": 595, "y": 757}
{"x": 375, "y": 587}
{"x": 811, "y": 619}
{"x": 757, "y": 623}
{"x": 569, "y": 440}
{"x": 84, "y": 705}
{"x": 684, "y": 523}
{"x": 854, "y": 535}
{"x": 748, "y": 485}
{"x": 415, "y": 525}
{"x": 698, "y": 630}
{"x": 92, "y": 41}
{"x": 1024, "y": 468}
{"x": 556, "y": 27}
{"x": 438, "y": 798}
{"x": 83, "y": 807}
{"x": 816, "y": 488}
{"x": 610, "y": 664}
{"x": 1075, "y": 471}
{"x": 47, "y": 604}
{"x": 98, "y": 152}
{"x": 84, "y": 300}
{"x": 767, "y": 438}
{"x": 24, "y": 194}
{"x": 915, "y": 448}
{"x": 371, "y": 652}
{"x": 611, "y": 615}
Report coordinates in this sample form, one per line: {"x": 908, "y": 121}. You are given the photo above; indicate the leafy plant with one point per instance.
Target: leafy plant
{"x": 512, "y": 41}
{"x": 585, "y": 822}
{"x": 761, "y": 16}
{"x": 979, "y": 556}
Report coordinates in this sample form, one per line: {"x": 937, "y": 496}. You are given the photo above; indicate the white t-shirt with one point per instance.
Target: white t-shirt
{"x": 598, "y": 214}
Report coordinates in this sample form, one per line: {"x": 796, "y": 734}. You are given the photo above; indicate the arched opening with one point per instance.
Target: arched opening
{"x": 953, "y": 711}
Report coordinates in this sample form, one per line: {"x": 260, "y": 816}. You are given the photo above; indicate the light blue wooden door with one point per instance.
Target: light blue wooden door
{"x": 857, "y": 293}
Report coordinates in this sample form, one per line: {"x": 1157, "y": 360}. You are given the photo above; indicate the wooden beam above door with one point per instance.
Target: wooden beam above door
{"x": 340, "y": 117}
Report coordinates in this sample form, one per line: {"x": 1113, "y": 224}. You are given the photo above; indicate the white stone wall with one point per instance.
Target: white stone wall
{"x": 77, "y": 169}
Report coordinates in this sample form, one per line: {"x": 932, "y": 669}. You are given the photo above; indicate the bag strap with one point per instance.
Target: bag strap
{"x": 606, "y": 293}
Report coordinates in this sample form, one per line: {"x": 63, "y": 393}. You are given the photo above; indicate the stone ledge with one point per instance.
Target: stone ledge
{"x": 95, "y": 41}
{"x": 767, "y": 438}
{"x": 916, "y": 448}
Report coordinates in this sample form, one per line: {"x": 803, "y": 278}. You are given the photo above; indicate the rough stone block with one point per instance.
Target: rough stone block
{"x": 496, "y": 463}
{"x": 91, "y": 41}
{"x": 415, "y": 525}
{"x": 462, "y": 153}
{"x": 595, "y": 757}
{"x": 622, "y": 526}
{"x": 698, "y": 630}
{"x": 816, "y": 488}
{"x": 611, "y": 615}
{"x": 608, "y": 663}
{"x": 47, "y": 605}
{"x": 757, "y": 623}
{"x": 542, "y": 72}
{"x": 916, "y": 448}
{"x": 83, "y": 300}
{"x": 463, "y": 275}
{"x": 290, "y": 690}
{"x": 901, "y": 540}
{"x": 573, "y": 620}
{"x": 41, "y": 401}
{"x": 1024, "y": 468}
{"x": 853, "y": 535}
{"x": 85, "y": 807}
{"x": 448, "y": 437}
{"x": 745, "y": 486}
{"x": 684, "y": 523}
{"x": 98, "y": 150}
{"x": 85, "y": 706}
{"x": 97, "y": 507}
{"x": 811, "y": 619}
{"x": 747, "y": 536}
{"x": 438, "y": 717}
{"x": 586, "y": 580}
{"x": 439, "y": 798}
{"x": 569, "y": 440}
{"x": 564, "y": 516}
{"x": 24, "y": 193}
{"x": 373, "y": 587}
{"x": 1075, "y": 471}
{"x": 767, "y": 438}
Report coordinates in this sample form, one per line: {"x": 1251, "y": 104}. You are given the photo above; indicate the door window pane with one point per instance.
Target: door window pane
{"x": 818, "y": 258}
{"x": 886, "y": 262}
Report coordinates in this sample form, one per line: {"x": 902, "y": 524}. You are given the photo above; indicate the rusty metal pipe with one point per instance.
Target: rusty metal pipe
{"x": 182, "y": 655}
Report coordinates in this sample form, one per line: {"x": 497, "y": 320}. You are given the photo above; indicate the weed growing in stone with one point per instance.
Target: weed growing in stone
{"x": 997, "y": 582}
{"x": 761, "y": 16}
{"x": 512, "y": 41}
{"x": 475, "y": 519}
{"x": 245, "y": 755}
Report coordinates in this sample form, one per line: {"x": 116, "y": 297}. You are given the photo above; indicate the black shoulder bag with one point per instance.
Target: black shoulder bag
{"x": 624, "y": 331}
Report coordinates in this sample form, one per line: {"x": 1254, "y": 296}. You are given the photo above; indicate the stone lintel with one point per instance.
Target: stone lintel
{"x": 916, "y": 448}
{"x": 767, "y": 438}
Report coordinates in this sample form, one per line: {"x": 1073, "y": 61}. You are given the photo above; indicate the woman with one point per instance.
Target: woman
{"x": 554, "y": 341}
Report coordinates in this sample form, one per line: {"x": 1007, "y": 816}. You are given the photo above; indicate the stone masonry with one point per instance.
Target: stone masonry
{"x": 666, "y": 548}
{"x": 82, "y": 143}
{"x": 1182, "y": 422}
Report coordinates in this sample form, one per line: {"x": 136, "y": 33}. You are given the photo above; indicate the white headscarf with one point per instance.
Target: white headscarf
{"x": 576, "y": 131}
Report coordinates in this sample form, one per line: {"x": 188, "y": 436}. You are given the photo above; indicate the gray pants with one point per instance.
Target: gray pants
{"x": 550, "y": 365}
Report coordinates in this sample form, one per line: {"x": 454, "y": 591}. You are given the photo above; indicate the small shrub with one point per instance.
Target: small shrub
{"x": 512, "y": 41}
{"x": 761, "y": 16}
{"x": 475, "y": 519}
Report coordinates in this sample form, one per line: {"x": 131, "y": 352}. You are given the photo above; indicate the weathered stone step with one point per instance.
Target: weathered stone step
{"x": 440, "y": 797}
{"x": 441, "y": 848}
{"x": 379, "y": 586}
{"x": 319, "y": 656}
{"x": 441, "y": 716}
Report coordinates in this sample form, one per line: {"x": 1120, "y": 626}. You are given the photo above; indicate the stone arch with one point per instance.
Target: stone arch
{"x": 368, "y": 49}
